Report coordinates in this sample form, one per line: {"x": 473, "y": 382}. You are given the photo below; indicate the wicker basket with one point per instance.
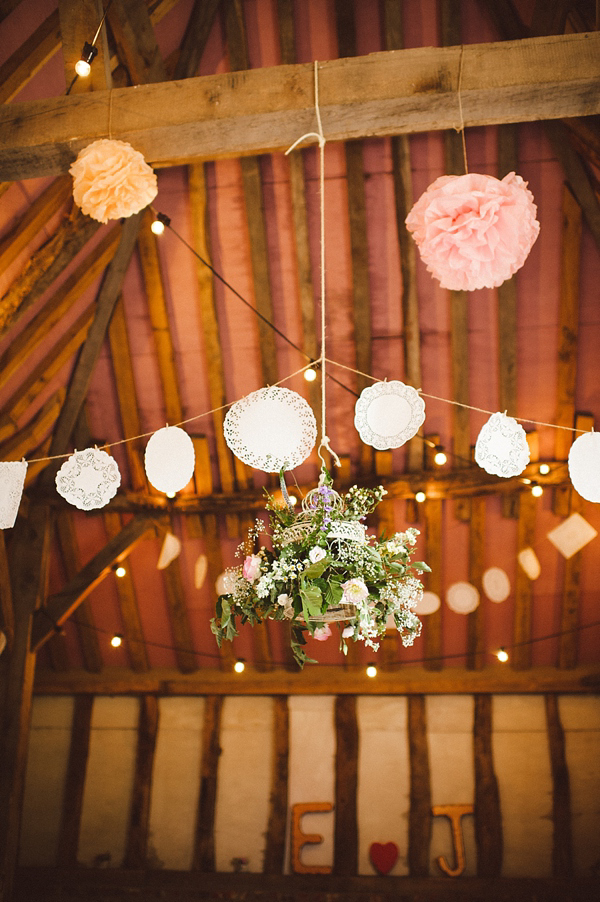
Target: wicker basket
{"x": 335, "y": 613}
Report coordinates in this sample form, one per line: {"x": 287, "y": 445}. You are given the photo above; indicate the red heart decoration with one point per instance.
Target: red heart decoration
{"x": 383, "y": 856}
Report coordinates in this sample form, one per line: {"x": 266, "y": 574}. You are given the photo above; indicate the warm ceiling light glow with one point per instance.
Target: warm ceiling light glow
{"x": 502, "y": 655}
{"x": 170, "y": 494}
{"x": 371, "y": 671}
{"x": 83, "y": 66}
{"x": 310, "y": 375}
{"x": 157, "y": 227}
{"x": 239, "y": 666}
{"x": 440, "y": 457}
{"x": 544, "y": 469}
{"x": 537, "y": 490}
{"x": 420, "y": 497}
{"x": 120, "y": 571}
{"x": 293, "y": 500}
{"x": 116, "y": 640}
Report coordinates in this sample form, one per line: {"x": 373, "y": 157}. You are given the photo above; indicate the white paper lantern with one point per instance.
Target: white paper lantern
{"x": 169, "y": 459}
{"x": 496, "y": 584}
{"x": 88, "y": 479}
{"x": 584, "y": 466}
{"x": 388, "y": 414}
{"x": 462, "y": 598}
{"x": 528, "y": 560}
{"x": 271, "y": 429}
{"x": 12, "y": 480}
{"x": 200, "y": 571}
{"x": 171, "y": 549}
{"x": 428, "y": 603}
{"x": 501, "y": 447}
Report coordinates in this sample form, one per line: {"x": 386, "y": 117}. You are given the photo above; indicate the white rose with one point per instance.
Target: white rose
{"x": 316, "y": 554}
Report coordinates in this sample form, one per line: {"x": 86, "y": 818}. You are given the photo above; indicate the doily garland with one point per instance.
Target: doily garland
{"x": 88, "y": 479}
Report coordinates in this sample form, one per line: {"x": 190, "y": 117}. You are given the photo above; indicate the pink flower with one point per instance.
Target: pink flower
{"x": 322, "y": 633}
{"x": 355, "y": 591}
{"x": 474, "y": 231}
{"x": 251, "y": 568}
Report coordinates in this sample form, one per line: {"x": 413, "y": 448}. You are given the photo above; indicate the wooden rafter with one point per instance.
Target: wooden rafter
{"x": 265, "y": 109}
{"x": 136, "y": 44}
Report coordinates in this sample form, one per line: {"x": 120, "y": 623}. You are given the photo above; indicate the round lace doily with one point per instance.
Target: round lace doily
{"x": 388, "y": 414}
{"x": 584, "y": 457}
{"x": 501, "y": 447}
{"x": 271, "y": 429}
{"x": 12, "y": 480}
{"x": 88, "y": 479}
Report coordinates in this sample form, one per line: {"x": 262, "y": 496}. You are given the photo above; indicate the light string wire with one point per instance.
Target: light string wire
{"x": 423, "y": 660}
{"x": 461, "y": 127}
{"x": 93, "y": 44}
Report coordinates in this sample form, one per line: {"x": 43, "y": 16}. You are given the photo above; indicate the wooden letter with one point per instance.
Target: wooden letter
{"x": 454, "y": 812}
{"x": 300, "y": 839}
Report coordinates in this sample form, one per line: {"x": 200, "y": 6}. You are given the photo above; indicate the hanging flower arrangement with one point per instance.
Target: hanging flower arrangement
{"x": 474, "y": 231}
{"x": 323, "y": 567}
{"x": 111, "y": 180}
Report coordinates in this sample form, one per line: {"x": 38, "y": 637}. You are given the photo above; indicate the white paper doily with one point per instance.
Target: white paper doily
{"x": 12, "y": 480}
{"x": 496, "y": 584}
{"x": 271, "y": 429}
{"x": 584, "y": 458}
{"x": 388, "y": 414}
{"x": 88, "y": 479}
{"x": 501, "y": 447}
{"x": 462, "y": 598}
{"x": 169, "y": 459}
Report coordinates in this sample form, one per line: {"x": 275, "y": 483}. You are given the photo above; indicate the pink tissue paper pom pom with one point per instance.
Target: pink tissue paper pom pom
{"x": 111, "y": 180}
{"x": 474, "y": 231}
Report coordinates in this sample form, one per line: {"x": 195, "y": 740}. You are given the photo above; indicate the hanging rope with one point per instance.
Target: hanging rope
{"x": 461, "y": 127}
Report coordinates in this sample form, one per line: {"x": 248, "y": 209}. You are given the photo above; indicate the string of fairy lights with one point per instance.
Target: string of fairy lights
{"x": 310, "y": 373}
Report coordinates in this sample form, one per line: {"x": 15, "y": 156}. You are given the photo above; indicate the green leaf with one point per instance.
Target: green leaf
{"x": 316, "y": 569}
{"x": 311, "y": 601}
{"x": 334, "y": 593}
{"x": 421, "y": 565}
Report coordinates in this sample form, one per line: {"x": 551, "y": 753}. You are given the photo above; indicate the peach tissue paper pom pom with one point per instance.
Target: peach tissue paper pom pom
{"x": 474, "y": 231}
{"x": 111, "y": 180}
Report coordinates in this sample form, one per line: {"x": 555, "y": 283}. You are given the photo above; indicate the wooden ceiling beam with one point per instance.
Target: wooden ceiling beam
{"x": 78, "y": 24}
{"x": 266, "y": 109}
{"x": 136, "y": 43}
{"x": 196, "y": 35}
{"x": 408, "y": 680}
{"x": 29, "y": 437}
{"x": 62, "y": 604}
{"x": 35, "y": 218}
{"x": 30, "y": 57}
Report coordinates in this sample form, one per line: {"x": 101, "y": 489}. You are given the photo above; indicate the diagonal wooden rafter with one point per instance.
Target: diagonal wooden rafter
{"x": 136, "y": 44}
{"x": 30, "y": 57}
{"x": 61, "y": 605}
{"x": 35, "y": 218}
{"x": 262, "y": 110}
{"x": 196, "y": 35}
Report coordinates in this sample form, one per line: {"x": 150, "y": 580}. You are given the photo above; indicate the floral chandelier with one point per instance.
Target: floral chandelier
{"x": 323, "y": 567}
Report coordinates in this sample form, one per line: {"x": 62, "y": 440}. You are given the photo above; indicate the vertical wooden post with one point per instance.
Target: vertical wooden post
{"x": 562, "y": 837}
{"x": 278, "y": 806}
{"x": 72, "y": 804}
{"x": 345, "y": 842}
{"x": 137, "y": 837}
{"x": 419, "y": 816}
{"x": 488, "y": 817}
{"x": 204, "y": 851}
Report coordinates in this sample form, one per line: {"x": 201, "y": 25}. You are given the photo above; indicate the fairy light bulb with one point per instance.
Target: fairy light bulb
{"x": 157, "y": 227}
{"x": 502, "y": 655}
{"x": 371, "y": 671}
{"x": 420, "y": 497}
{"x": 544, "y": 469}
{"x": 439, "y": 457}
{"x": 116, "y": 640}
{"x": 293, "y": 500}
{"x": 537, "y": 490}
{"x": 310, "y": 375}
{"x": 83, "y": 66}
{"x": 239, "y": 666}
{"x": 120, "y": 571}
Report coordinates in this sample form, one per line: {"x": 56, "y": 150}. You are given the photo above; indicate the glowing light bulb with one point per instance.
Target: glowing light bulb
{"x": 502, "y": 655}
{"x": 293, "y": 500}
{"x": 116, "y": 640}
{"x": 157, "y": 227}
{"x": 83, "y": 68}
{"x": 310, "y": 375}
{"x": 544, "y": 469}
{"x": 120, "y": 571}
{"x": 420, "y": 497}
{"x": 440, "y": 457}
{"x": 239, "y": 666}
{"x": 371, "y": 671}
{"x": 537, "y": 490}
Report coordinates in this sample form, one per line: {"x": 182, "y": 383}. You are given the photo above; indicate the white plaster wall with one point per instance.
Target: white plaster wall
{"x": 522, "y": 765}
{"x": 47, "y": 759}
{"x": 176, "y": 782}
{"x": 580, "y": 718}
{"x": 383, "y": 778}
{"x": 450, "y": 738}
{"x": 109, "y": 780}
{"x": 244, "y": 781}
{"x": 311, "y": 771}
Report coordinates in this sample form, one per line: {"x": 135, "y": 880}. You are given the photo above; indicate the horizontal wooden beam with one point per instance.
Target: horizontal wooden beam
{"x": 60, "y": 605}
{"x": 405, "y": 680}
{"x": 267, "y": 109}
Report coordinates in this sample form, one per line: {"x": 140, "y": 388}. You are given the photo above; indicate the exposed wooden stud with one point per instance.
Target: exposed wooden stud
{"x": 488, "y": 816}
{"x": 174, "y": 122}
{"x": 137, "y": 48}
{"x": 88, "y": 636}
{"x": 60, "y": 605}
{"x": 195, "y": 37}
{"x": 34, "y": 219}
{"x": 72, "y": 803}
{"x": 419, "y": 816}
{"x": 204, "y": 851}
{"x": 345, "y": 840}
{"x": 136, "y": 850}
{"x": 132, "y": 625}
{"x": 521, "y": 655}
{"x": 21, "y": 443}
{"x": 178, "y": 616}
{"x": 562, "y": 837}
{"x": 30, "y": 57}
{"x": 274, "y": 861}
{"x": 45, "y": 265}
{"x": 475, "y": 633}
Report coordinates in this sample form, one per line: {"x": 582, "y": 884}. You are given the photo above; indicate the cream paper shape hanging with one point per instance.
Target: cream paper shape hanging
{"x": 584, "y": 466}
{"x": 501, "y": 447}
{"x": 88, "y": 479}
{"x": 271, "y": 429}
{"x": 388, "y": 414}
{"x": 496, "y": 584}
{"x": 169, "y": 459}
{"x": 462, "y": 598}
{"x": 12, "y": 480}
